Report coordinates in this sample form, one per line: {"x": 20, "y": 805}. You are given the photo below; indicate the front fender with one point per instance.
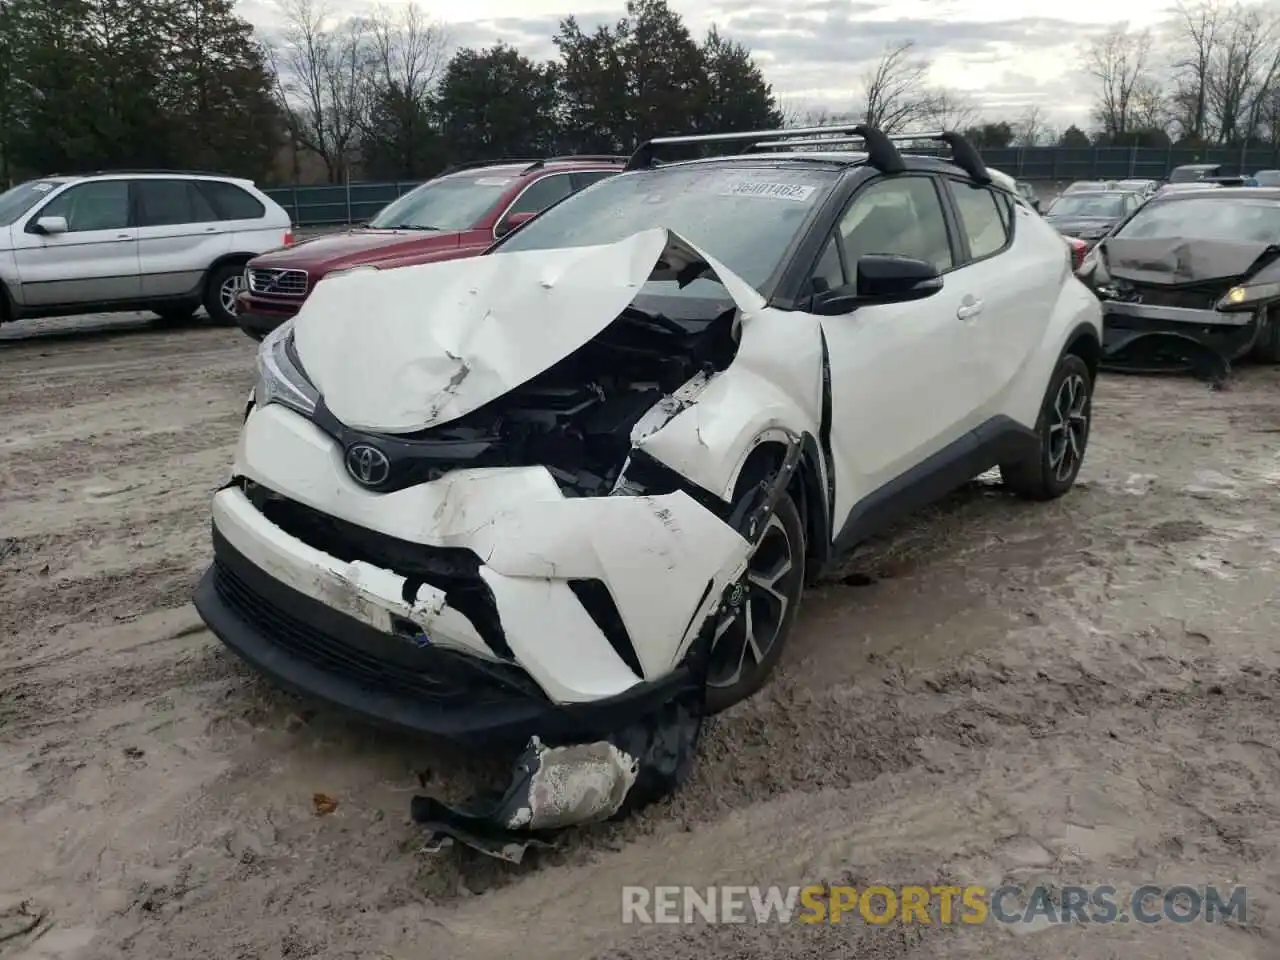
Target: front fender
{"x": 771, "y": 390}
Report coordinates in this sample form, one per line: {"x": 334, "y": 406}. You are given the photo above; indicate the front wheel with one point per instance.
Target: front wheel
{"x": 748, "y": 642}
{"x": 224, "y": 286}
{"x": 1063, "y": 433}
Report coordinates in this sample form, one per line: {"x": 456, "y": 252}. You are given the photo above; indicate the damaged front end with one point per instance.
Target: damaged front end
{"x": 1181, "y": 305}
{"x": 457, "y": 527}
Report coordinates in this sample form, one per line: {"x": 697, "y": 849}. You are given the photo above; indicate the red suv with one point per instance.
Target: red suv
{"x": 458, "y": 214}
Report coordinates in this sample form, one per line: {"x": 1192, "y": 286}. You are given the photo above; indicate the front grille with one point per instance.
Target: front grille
{"x": 440, "y": 676}
{"x": 279, "y": 283}
{"x": 1198, "y": 297}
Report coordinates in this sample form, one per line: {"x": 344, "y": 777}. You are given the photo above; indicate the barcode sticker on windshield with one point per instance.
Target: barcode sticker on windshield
{"x": 774, "y": 191}
{"x": 494, "y": 181}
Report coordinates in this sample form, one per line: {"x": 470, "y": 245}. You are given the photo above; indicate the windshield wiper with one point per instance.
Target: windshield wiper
{"x": 409, "y": 226}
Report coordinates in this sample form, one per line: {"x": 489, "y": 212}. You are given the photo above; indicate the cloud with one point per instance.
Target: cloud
{"x": 816, "y": 53}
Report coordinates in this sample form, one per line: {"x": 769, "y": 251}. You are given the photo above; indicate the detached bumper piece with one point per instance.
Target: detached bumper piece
{"x": 313, "y": 649}
{"x": 553, "y": 787}
{"x": 1155, "y": 338}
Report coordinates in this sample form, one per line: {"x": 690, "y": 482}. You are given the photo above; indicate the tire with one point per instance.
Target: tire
{"x": 227, "y": 277}
{"x": 1267, "y": 347}
{"x": 1068, "y": 401}
{"x": 783, "y": 537}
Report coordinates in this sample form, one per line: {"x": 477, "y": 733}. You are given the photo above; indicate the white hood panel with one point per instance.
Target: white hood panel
{"x": 406, "y": 349}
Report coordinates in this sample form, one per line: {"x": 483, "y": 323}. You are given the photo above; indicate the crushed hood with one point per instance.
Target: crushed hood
{"x": 1180, "y": 260}
{"x": 404, "y": 350}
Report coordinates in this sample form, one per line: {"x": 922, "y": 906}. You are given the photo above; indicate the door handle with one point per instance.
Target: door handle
{"x": 967, "y": 311}
{"x": 124, "y": 236}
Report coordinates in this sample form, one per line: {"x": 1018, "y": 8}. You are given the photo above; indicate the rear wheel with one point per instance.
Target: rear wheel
{"x": 1063, "y": 433}
{"x": 224, "y": 286}
{"x": 749, "y": 640}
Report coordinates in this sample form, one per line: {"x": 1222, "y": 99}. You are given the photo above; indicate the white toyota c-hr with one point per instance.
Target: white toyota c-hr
{"x": 546, "y": 489}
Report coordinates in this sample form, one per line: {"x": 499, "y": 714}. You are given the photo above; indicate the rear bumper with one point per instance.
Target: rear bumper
{"x": 316, "y": 650}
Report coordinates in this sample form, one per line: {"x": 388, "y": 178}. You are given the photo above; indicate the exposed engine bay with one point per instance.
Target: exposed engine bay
{"x": 576, "y": 418}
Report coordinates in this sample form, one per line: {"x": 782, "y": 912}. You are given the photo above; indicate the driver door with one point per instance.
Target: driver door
{"x": 904, "y": 377}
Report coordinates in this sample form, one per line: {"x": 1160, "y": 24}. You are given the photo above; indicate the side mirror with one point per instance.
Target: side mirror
{"x": 882, "y": 278}
{"x": 512, "y": 222}
{"x": 51, "y": 225}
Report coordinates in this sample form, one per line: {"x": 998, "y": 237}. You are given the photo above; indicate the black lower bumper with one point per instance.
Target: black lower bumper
{"x": 1158, "y": 344}
{"x": 313, "y": 649}
{"x": 258, "y": 325}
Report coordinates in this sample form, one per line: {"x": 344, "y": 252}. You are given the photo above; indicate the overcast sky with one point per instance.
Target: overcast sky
{"x": 814, "y": 52}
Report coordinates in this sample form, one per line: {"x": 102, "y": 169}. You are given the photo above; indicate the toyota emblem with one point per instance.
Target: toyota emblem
{"x": 367, "y": 465}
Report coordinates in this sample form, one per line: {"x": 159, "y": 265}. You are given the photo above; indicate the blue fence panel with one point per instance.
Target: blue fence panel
{"x": 334, "y": 205}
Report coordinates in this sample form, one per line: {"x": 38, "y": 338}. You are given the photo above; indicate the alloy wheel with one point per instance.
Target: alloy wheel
{"x": 228, "y": 293}
{"x": 747, "y": 634}
{"x": 1069, "y": 427}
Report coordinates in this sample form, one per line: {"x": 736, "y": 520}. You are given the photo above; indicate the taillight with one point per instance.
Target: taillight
{"x": 288, "y": 238}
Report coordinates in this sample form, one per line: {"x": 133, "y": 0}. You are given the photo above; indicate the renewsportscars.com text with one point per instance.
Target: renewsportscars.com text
{"x": 935, "y": 904}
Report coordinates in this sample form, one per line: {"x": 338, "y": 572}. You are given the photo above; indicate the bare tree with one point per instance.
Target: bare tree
{"x": 322, "y": 68}
{"x": 951, "y": 111}
{"x": 1030, "y": 128}
{"x": 406, "y": 53}
{"x": 1120, "y": 61}
{"x": 1150, "y": 110}
{"x": 1243, "y": 68}
{"x": 896, "y": 94}
{"x": 1198, "y": 32}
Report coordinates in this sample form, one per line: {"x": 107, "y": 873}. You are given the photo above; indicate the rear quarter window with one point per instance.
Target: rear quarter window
{"x": 230, "y": 202}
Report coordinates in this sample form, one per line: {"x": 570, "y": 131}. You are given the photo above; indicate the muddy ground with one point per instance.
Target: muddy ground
{"x": 1084, "y": 692}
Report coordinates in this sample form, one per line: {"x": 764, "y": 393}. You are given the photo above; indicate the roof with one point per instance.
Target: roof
{"x": 1222, "y": 193}
{"x": 520, "y": 166}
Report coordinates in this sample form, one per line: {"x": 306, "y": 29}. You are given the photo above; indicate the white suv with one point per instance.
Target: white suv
{"x": 165, "y": 242}
{"x": 550, "y": 488}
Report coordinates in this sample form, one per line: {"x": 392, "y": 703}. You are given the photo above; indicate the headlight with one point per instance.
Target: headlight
{"x": 280, "y": 377}
{"x": 1249, "y": 296}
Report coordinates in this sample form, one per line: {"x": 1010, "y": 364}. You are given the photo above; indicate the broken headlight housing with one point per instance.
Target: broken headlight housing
{"x": 281, "y": 378}
{"x": 1248, "y": 296}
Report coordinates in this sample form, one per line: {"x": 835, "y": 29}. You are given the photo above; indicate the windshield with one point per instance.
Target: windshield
{"x": 1207, "y": 219}
{"x": 745, "y": 217}
{"x": 1088, "y": 205}
{"x": 14, "y": 203}
{"x": 1085, "y": 185}
{"x": 449, "y": 204}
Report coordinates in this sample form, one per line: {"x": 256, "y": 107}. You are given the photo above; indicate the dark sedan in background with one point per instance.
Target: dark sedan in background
{"x": 1090, "y": 216}
{"x": 1191, "y": 281}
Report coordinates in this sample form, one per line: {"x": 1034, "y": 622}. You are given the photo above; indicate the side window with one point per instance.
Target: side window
{"x": 229, "y": 202}
{"x": 165, "y": 202}
{"x": 900, "y": 216}
{"x": 102, "y": 205}
{"x": 984, "y": 216}
{"x": 586, "y": 179}
{"x": 542, "y": 194}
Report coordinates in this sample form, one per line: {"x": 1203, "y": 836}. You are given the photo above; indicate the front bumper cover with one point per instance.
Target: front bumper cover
{"x": 1156, "y": 338}
{"x": 311, "y": 648}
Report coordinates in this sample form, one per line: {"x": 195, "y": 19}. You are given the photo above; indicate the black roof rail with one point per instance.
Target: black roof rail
{"x": 963, "y": 153}
{"x": 881, "y": 152}
{"x": 881, "y": 148}
{"x": 582, "y": 157}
